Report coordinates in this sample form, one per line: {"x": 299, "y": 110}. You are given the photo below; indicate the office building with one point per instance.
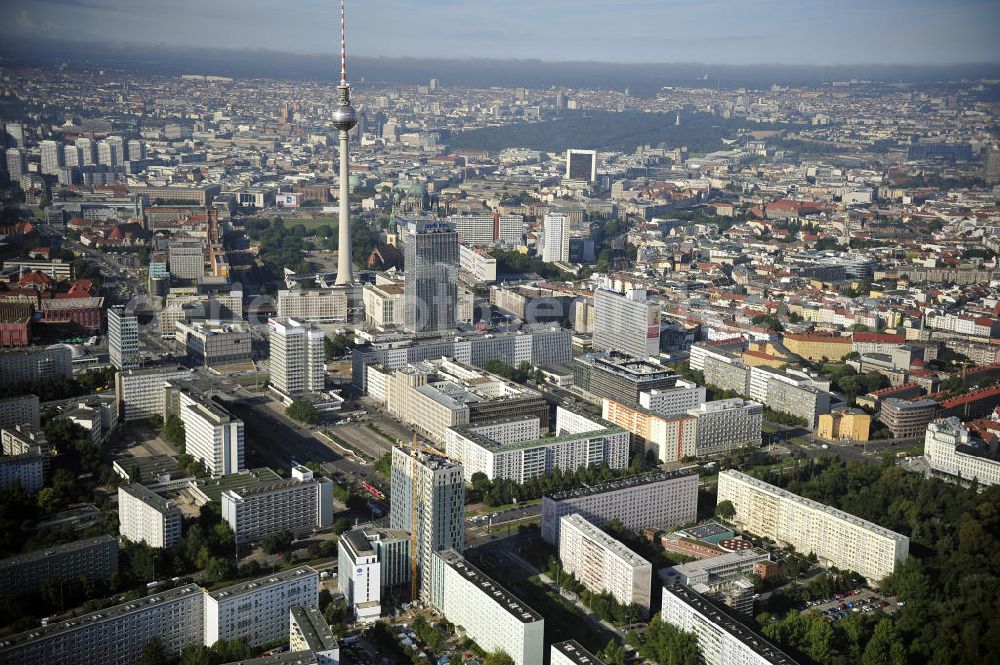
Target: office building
{"x": 654, "y": 500}
{"x": 430, "y": 290}
{"x": 540, "y": 346}
{"x": 360, "y": 575}
{"x": 215, "y": 345}
{"x": 187, "y": 258}
{"x": 299, "y": 504}
{"x": 212, "y": 435}
{"x": 298, "y": 359}
{"x": 951, "y": 451}
{"x": 17, "y": 164}
{"x": 726, "y": 424}
{"x": 36, "y": 364}
{"x": 146, "y": 517}
{"x": 24, "y": 471}
{"x": 478, "y": 263}
{"x": 581, "y": 165}
{"x": 383, "y": 305}
{"x": 488, "y": 229}
{"x": 123, "y": 338}
{"x": 258, "y": 610}
{"x": 51, "y": 157}
{"x": 675, "y": 400}
{"x": 315, "y": 305}
{"x": 427, "y": 498}
{"x": 721, "y": 639}
{"x": 715, "y": 569}
{"x": 623, "y": 378}
{"x": 490, "y": 614}
{"x": 906, "y": 419}
{"x": 556, "y": 241}
{"x": 96, "y": 558}
{"x": 849, "y": 425}
{"x": 20, "y": 410}
{"x": 835, "y": 537}
{"x": 571, "y": 653}
{"x": 141, "y": 393}
{"x": 309, "y": 631}
{"x": 514, "y": 449}
{"x": 603, "y": 564}
{"x": 627, "y": 323}
{"x": 114, "y": 635}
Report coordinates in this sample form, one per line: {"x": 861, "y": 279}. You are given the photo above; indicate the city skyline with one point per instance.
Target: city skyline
{"x": 637, "y": 31}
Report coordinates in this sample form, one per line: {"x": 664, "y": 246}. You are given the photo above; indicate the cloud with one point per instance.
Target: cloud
{"x": 24, "y": 20}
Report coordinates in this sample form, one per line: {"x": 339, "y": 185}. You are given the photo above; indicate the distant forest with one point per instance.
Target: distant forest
{"x": 607, "y": 130}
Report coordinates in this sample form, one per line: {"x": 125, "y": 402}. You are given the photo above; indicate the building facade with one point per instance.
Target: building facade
{"x": 298, "y": 358}
{"x": 431, "y": 285}
{"x": 298, "y": 504}
{"x": 123, "y": 339}
{"x": 952, "y": 452}
{"x": 626, "y": 322}
{"x": 146, "y": 517}
{"x": 212, "y": 435}
{"x": 96, "y": 558}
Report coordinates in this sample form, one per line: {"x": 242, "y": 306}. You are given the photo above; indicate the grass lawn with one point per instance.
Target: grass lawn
{"x": 313, "y": 224}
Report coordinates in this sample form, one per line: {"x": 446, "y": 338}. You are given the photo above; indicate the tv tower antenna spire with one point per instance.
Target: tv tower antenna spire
{"x": 344, "y": 119}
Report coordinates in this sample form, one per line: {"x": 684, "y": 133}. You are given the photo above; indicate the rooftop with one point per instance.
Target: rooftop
{"x": 623, "y": 484}
{"x": 280, "y": 577}
{"x": 500, "y": 595}
{"x": 314, "y": 627}
{"x": 212, "y": 488}
{"x": 74, "y": 546}
{"x": 604, "y": 540}
{"x": 576, "y": 653}
{"x": 106, "y": 614}
{"x": 748, "y": 637}
{"x": 152, "y": 499}
{"x": 692, "y": 568}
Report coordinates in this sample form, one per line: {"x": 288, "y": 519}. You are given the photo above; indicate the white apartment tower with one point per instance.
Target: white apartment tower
{"x": 626, "y": 322}
{"x": 427, "y": 497}
{"x": 556, "y": 241}
{"x": 212, "y": 435}
{"x": 298, "y": 359}
{"x": 123, "y": 338}
{"x": 146, "y": 517}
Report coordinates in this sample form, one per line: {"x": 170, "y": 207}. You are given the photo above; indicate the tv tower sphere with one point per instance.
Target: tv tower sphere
{"x": 344, "y": 115}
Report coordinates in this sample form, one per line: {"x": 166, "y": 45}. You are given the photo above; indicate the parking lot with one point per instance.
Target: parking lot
{"x": 859, "y": 601}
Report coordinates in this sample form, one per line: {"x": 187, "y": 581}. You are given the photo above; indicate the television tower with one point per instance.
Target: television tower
{"x": 344, "y": 119}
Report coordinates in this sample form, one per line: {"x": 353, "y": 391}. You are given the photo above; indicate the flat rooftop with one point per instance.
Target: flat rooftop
{"x": 212, "y": 488}
{"x": 500, "y": 595}
{"x": 107, "y": 614}
{"x": 74, "y": 546}
{"x": 692, "y": 568}
{"x": 314, "y": 627}
{"x": 149, "y": 468}
{"x": 757, "y": 644}
{"x": 148, "y": 497}
{"x": 280, "y": 577}
{"x": 616, "y": 547}
{"x": 622, "y": 484}
{"x": 576, "y": 653}
{"x": 357, "y": 542}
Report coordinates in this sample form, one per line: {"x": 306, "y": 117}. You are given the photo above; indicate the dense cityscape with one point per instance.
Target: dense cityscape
{"x": 301, "y": 372}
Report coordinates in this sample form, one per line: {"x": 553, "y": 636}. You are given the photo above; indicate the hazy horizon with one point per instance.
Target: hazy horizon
{"x": 713, "y": 32}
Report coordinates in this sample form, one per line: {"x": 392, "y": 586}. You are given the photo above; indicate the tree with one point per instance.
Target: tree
{"x": 153, "y": 653}
{"x": 884, "y": 648}
{"x": 278, "y": 542}
{"x": 613, "y": 653}
{"x": 498, "y": 657}
{"x": 173, "y": 431}
{"x": 302, "y": 411}
{"x": 335, "y": 347}
{"x": 725, "y": 509}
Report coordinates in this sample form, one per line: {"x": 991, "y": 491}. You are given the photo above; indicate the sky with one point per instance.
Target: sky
{"x": 805, "y": 32}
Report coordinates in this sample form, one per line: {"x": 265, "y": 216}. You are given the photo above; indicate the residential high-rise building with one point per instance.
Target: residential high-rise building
{"x": 556, "y": 241}
{"x": 721, "y": 639}
{"x": 141, "y": 393}
{"x": 581, "y": 165}
{"x": 298, "y": 504}
{"x": 212, "y": 435}
{"x": 72, "y": 156}
{"x": 726, "y": 424}
{"x": 427, "y": 498}
{"x": 655, "y": 500}
{"x": 187, "y": 258}
{"x": 51, "y": 157}
{"x": 430, "y": 289}
{"x": 258, "y": 610}
{"x": 146, "y": 517}
{"x": 17, "y": 164}
{"x": 490, "y": 614}
{"x": 309, "y": 632}
{"x": 835, "y": 537}
{"x": 114, "y": 635}
{"x": 601, "y": 563}
{"x": 298, "y": 358}
{"x": 123, "y": 338}
{"x": 571, "y": 652}
{"x": 991, "y": 166}
{"x": 135, "y": 150}
{"x": 88, "y": 151}
{"x": 486, "y": 229}
{"x": 36, "y": 364}
{"x": 626, "y": 322}
{"x": 96, "y": 558}
{"x": 20, "y": 410}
